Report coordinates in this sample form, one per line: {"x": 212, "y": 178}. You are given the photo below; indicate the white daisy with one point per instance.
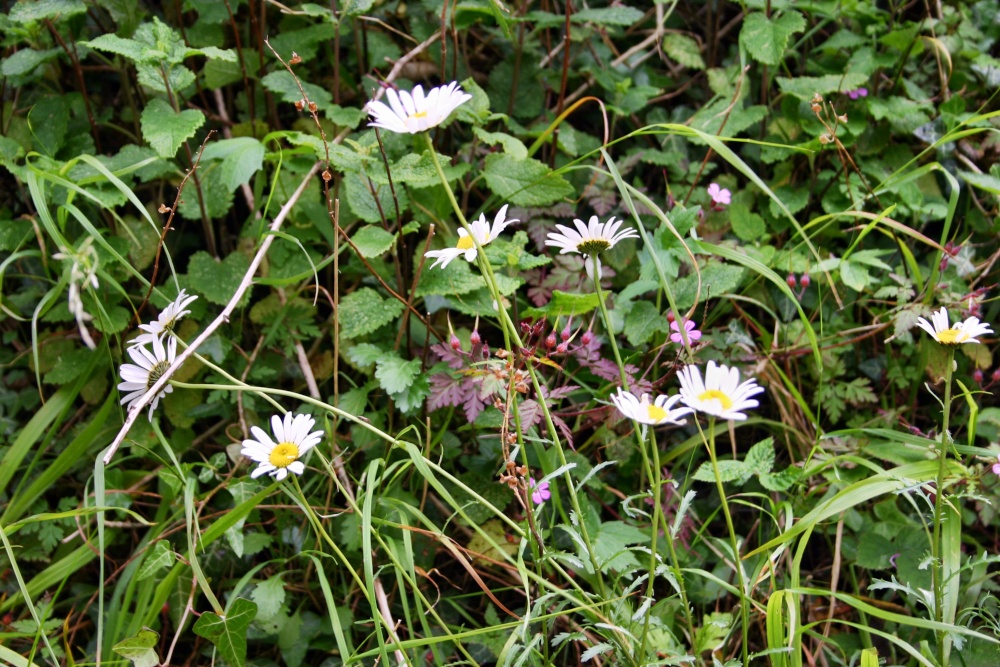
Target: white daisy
{"x": 962, "y": 332}
{"x": 167, "y": 319}
{"x": 482, "y": 232}
{"x": 721, "y": 394}
{"x": 590, "y": 239}
{"x": 148, "y": 368}
{"x": 292, "y": 440}
{"x": 410, "y": 114}
{"x": 661, "y": 411}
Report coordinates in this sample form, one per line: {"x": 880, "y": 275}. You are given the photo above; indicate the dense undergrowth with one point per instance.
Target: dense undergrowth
{"x": 474, "y": 474}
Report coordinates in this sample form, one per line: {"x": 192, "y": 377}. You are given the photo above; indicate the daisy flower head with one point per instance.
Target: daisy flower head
{"x": 138, "y": 378}
{"x": 721, "y": 394}
{"x": 166, "y": 320}
{"x": 590, "y": 239}
{"x": 292, "y": 439}
{"x": 720, "y": 196}
{"x": 411, "y": 113}
{"x": 539, "y": 492}
{"x": 660, "y": 411}
{"x": 481, "y": 231}
{"x": 690, "y": 326}
{"x": 963, "y": 332}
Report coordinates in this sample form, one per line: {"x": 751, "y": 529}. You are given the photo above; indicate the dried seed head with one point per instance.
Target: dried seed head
{"x": 164, "y": 208}
{"x": 327, "y": 176}
{"x": 295, "y": 59}
{"x": 299, "y": 104}
{"x": 825, "y": 138}
{"x": 313, "y": 107}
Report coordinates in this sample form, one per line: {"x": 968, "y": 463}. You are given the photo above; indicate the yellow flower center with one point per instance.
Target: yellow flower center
{"x": 284, "y": 455}
{"x": 465, "y": 243}
{"x": 419, "y": 114}
{"x": 951, "y": 336}
{"x": 155, "y": 373}
{"x": 715, "y": 394}
{"x": 655, "y": 412}
{"x": 592, "y": 246}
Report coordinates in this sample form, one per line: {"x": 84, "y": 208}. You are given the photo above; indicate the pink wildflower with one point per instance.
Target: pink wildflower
{"x": 720, "y": 196}
{"x": 690, "y": 327}
{"x": 856, "y": 93}
{"x": 996, "y": 466}
{"x": 539, "y": 492}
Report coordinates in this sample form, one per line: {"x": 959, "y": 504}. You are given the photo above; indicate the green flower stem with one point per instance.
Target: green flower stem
{"x": 937, "y": 545}
{"x": 511, "y": 337}
{"x": 607, "y": 320}
{"x": 744, "y": 602}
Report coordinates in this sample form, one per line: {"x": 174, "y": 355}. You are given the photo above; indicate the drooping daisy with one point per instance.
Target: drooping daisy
{"x": 482, "y": 232}
{"x": 147, "y": 369}
{"x": 660, "y": 411}
{"x": 962, "y": 332}
{"x": 720, "y": 196}
{"x": 539, "y": 492}
{"x": 167, "y": 319}
{"x": 721, "y": 394}
{"x": 690, "y": 326}
{"x": 410, "y": 114}
{"x": 292, "y": 439}
{"x": 590, "y": 239}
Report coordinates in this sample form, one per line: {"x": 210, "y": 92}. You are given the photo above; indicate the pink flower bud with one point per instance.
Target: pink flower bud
{"x": 561, "y": 348}
{"x": 996, "y": 376}
{"x": 550, "y": 340}
{"x": 587, "y": 337}
{"x": 565, "y": 334}
{"x": 805, "y": 281}
{"x": 474, "y": 337}
{"x": 977, "y": 375}
{"x": 792, "y": 282}
{"x": 455, "y": 343}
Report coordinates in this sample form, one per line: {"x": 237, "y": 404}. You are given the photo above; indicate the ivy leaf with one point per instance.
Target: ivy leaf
{"x": 372, "y": 241}
{"x": 765, "y": 39}
{"x": 165, "y": 129}
{"x": 269, "y": 596}
{"x": 229, "y": 632}
{"x": 217, "y": 281}
{"x": 394, "y": 374}
{"x": 140, "y": 649}
{"x": 524, "y": 182}
{"x": 364, "y": 311}
{"x": 158, "y": 558}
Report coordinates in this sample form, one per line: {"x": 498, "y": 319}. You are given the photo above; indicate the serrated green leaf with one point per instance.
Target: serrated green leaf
{"x": 127, "y": 48}
{"x": 643, "y": 321}
{"x": 524, "y": 182}
{"x": 684, "y": 50}
{"x": 24, "y": 12}
{"x": 564, "y": 304}
{"x": 418, "y": 171}
{"x": 395, "y": 375}
{"x": 357, "y": 191}
{"x": 269, "y": 595}
{"x": 729, "y": 471}
{"x": 217, "y": 281}
{"x": 213, "y": 53}
{"x": 69, "y": 365}
{"x": 112, "y": 320}
{"x": 140, "y": 649}
{"x": 746, "y": 225}
{"x": 372, "y": 240}
{"x": 282, "y": 83}
{"x": 618, "y": 15}
{"x": 765, "y": 39}
{"x": 455, "y": 279}
{"x": 25, "y": 61}
{"x": 364, "y": 311}
{"x": 805, "y": 87}
{"x": 165, "y": 130}
{"x": 229, "y": 633}
{"x": 158, "y": 558}
{"x": 760, "y": 459}
{"x": 717, "y": 279}
{"x": 412, "y": 399}
{"x": 780, "y": 481}
{"x": 364, "y": 355}
{"x": 512, "y": 146}
{"x": 345, "y": 116}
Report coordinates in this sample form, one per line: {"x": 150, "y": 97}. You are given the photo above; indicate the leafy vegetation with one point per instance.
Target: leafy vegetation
{"x": 662, "y": 337}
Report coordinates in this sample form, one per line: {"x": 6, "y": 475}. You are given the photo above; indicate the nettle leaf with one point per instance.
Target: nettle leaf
{"x": 729, "y": 471}
{"x": 269, "y": 596}
{"x": 229, "y": 633}
{"x": 512, "y": 146}
{"x": 69, "y": 366}
{"x": 165, "y": 129}
{"x": 373, "y": 241}
{"x": 760, "y": 458}
{"x": 781, "y": 481}
{"x": 394, "y": 374}
{"x": 127, "y": 48}
{"x": 765, "y": 39}
{"x": 26, "y": 60}
{"x": 217, "y": 281}
{"x": 684, "y": 50}
{"x": 804, "y": 87}
{"x": 456, "y": 278}
{"x": 363, "y": 311}
{"x": 25, "y": 12}
{"x": 241, "y": 157}
{"x": 643, "y": 321}
{"x": 140, "y": 649}
{"x": 524, "y": 182}
{"x": 158, "y": 558}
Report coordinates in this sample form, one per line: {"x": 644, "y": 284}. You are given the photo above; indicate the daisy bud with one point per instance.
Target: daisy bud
{"x": 792, "y": 282}
{"x": 805, "y": 281}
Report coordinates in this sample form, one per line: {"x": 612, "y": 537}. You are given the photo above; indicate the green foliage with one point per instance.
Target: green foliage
{"x": 141, "y": 649}
{"x": 228, "y": 633}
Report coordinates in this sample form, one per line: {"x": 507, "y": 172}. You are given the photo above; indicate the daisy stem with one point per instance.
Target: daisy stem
{"x": 607, "y": 321}
{"x": 940, "y": 506}
{"x": 448, "y": 191}
{"x": 734, "y": 542}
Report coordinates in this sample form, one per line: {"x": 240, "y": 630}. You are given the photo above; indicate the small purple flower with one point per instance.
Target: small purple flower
{"x": 996, "y": 466}
{"x": 720, "y": 196}
{"x": 539, "y": 492}
{"x": 892, "y": 559}
{"x": 856, "y": 93}
{"x": 690, "y": 327}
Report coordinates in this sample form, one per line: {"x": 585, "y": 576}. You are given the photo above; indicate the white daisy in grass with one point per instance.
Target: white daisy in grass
{"x": 412, "y": 113}
{"x": 292, "y": 439}
{"x": 147, "y": 369}
{"x": 481, "y": 230}
{"x": 167, "y": 319}
{"x": 591, "y": 239}
{"x": 962, "y": 332}
{"x": 721, "y": 394}
{"x": 660, "y": 411}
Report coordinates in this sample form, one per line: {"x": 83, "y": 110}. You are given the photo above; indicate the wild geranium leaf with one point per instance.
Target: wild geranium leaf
{"x": 394, "y": 374}
{"x": 140, "y": 649}
{"x": 760, "y": 459}
{"x": 765, "y": 39}
{"x": 412, "y": 398}
{"x": 165, "y": 129}
{"x": 217, "y": 281}
{"x": 684, "y": 50}
{"x": 524, "y": 182}
{"x": 364, "y": 354}
{"x": 364, "y": 310}
{"x": 229, "y": 633}
{"x": 372, "y": 240}
{"x": 269, "y": 596}
{"x": 157, "y": 559}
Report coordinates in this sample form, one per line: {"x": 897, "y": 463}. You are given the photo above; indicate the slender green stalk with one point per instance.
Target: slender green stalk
{"x": 607, "y": 319}
{"x": 937, "y": 545}
{"x": 734, "y": 542}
